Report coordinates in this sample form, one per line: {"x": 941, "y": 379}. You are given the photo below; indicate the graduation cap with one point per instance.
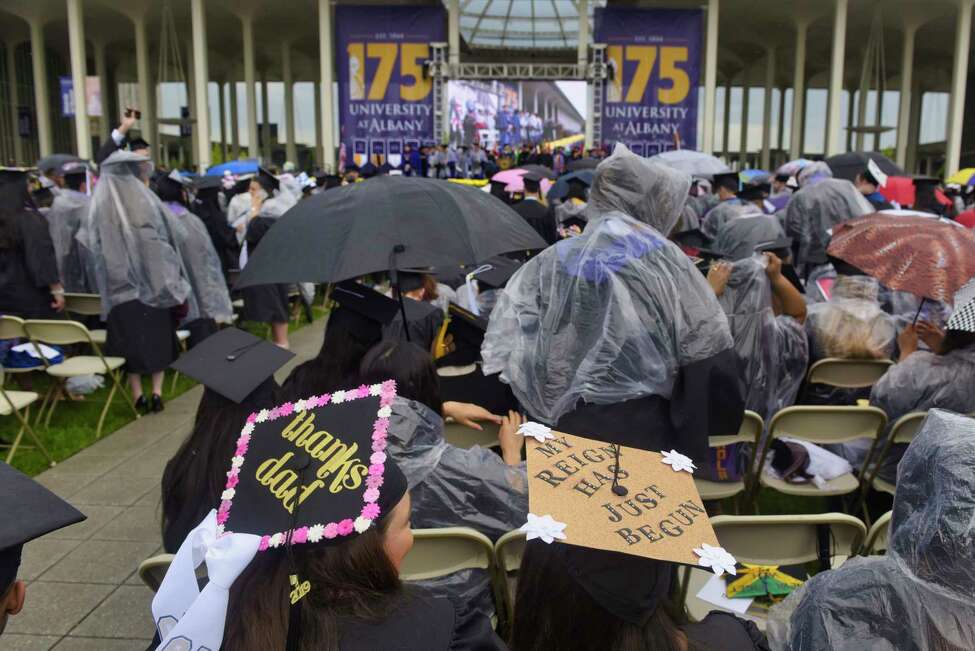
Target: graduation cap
{"x": 726, "y": 180}
{"x": 265, "y": 175}
{"x": 532, "y": 181}
{"x": 207, "y": 183}
{"x": 874, "y": 174}
{"x": 29, "y": 511}
{"x": 618, "y": 517}
{"x": 138, "y": 143}
{"x": 232, "y": 362}
{"x": 754, "y": 192}
{"x": 311, "y": 472}
{"x": 497, "y": 271}
{"x": 365, "y": 301}
{"x": 74, "y": 167}
{"x": 12, "y": 175}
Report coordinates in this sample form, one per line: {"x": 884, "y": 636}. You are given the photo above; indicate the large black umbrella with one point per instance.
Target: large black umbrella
{"x": 386, "y": 223}
{"x": 848, "y": 165}
{"x": 55, "y": 161}
{"x": 582, "y": 164}
{"x": 541, "y": 170}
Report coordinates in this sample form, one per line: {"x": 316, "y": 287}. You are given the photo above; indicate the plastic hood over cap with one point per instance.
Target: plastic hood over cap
{"x": 724, "y": 212}
{"x": 813, "y": 173}
{"x": 815, "y": 209}
{"x": 921, "y": 595}
{"x": 646, "y": 191}
{"x": 127, "y": 234}
{"x": 607, "y": 316}
{"x": 738, "y": 238}
{"x": 851, "y": 325}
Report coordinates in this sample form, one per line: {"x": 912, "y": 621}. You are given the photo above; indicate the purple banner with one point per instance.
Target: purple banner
{"x": 384, "y": 92}
{"x": 654, "y": 56}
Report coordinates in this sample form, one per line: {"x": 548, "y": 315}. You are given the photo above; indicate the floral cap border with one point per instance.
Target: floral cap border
{"x": 386, "y": 391}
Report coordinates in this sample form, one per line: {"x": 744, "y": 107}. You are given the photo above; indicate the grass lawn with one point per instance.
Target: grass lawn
{"x": 73, "y": 425}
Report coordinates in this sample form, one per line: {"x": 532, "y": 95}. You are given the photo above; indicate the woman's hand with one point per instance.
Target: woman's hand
{"x": 907, "y": 341}
{"x": 511, "y": 441}
{"x": 931, "y": 335}
{"x": 718, "y": 276}
{"x": 468, "y": 414}
{"x": 774, "y": 268}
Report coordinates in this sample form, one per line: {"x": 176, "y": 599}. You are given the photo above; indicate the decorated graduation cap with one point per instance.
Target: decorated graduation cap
{"x": 309, "y": 472}
{"x": 232, "y": 362}
{"x": 29, "y": 512}
{"x": 618, "y": 517}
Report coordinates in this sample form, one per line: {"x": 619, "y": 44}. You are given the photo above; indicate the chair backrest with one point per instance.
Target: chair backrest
{"x": 153, "y": 570}
{"x": 848, "y": 373}
{"x": 57, "y": 332}
{"x": 464, "y": 437}
{"x": 508, "y": 552}
{"x": 439, "y": 552}
{"x": 749, "y": 432}
{"x": 827, "y": 424}
{"x": 84, "y": 304}
{"x": 786, "y": 539}
{"x": 907, "y": 427}
{"x": 12, "y": 327}
{"x": 878, "y": 536}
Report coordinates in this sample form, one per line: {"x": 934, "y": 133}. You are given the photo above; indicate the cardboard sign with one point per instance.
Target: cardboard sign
{"x": 661, "y": 516}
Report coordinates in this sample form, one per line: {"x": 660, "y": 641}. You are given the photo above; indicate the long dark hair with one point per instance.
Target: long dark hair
{"x": 353, "y": 580}
{"x": 14, "y": 199}
{"x": 955, "y": 340}
{"x": 552, "y": 611}
{"x": 197, "y": 474}
{"x": 411, "y": 367}
{"x": 347, "y": 339}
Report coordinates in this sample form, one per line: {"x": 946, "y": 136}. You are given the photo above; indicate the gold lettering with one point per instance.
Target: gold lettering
{"x": 299, "y": 425}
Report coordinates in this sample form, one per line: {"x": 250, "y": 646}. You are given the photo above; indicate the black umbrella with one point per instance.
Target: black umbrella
{"x": 848, "y": 165}
{"x": 541, "y": 170}
{"x": 54, "y": 162}
{"x": 582, "y": 164}
{"x": 386, "y": 223}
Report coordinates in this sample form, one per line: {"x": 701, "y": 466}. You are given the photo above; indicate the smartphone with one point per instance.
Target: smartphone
{"x": 129, "y": 112}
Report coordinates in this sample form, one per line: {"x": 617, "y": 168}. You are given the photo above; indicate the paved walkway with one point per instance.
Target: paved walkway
{"x": 83, "y": 592}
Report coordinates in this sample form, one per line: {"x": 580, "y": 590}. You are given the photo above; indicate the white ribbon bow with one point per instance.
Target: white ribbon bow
{"x": 186, "y": 618}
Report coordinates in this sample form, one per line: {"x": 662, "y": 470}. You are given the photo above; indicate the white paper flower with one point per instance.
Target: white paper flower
{"x": 375, "y": 389}
{"x": 716, "y": 558}
{"x": 361, "y": 524}
{"x": 247, "y": 429}
{"x": 228, "y": 494}
{"x": 338, "y": 396}
{"x": 537, "y": 431}
{"x": 276, "y": 540}
{"x": 384, "y": 412}
{"x": 315, "y": 532}
{"x": 262, "y": 416}
{"x": 237, "y": 461}
{"x": 299, "y": 405}
{"x": 678, "y": 461}
{"x": 544, "y": 527}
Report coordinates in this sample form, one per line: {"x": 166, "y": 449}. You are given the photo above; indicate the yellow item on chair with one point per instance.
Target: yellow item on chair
{"x": 442, "y": 345}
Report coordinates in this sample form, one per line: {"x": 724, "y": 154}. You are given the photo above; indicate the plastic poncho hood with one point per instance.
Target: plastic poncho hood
{"x": 815, "y": 209}
{"x": 608, "y": 316}
{"x": 127, "y": 234}
{"x": 646, "y": 191}
{"x": 738, "y": 238}
{"x": 851, "y": 324}
{"x": 921, "y": 595}
{"x": 64, "y": 219}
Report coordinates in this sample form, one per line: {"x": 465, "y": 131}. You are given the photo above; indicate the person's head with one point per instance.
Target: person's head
{"x": 726, "y": 185}
{"x": 418, "y": 286}
{"x": 533, "y": 185}
{"x": 141, "y": 147}
{"x": 854, "y": 326}
{"x": 170, "y": 191}
{"x": 15, "y": 197}
{"x": 408, "y": 364}
{"x": 865, "y": 183}
{"x": 577, "y": 619}
{"x": 780, "y": 183}
{"x": 955, "y": 340}
{"x": 357, "y": 578}
{"x": 76, "y": 182}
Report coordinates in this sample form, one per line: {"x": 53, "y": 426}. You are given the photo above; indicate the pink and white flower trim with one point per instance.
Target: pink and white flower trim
{"x": 386, "y": 391}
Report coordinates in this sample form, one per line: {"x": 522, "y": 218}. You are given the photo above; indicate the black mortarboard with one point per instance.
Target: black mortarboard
{"x": 783, "y": 244}
{"x": 266, "y": 177}
{"x": 752, "y": 192}
{"x": 368, "y": 170}
{"x": 726, "y": 180}
{"x": 926, "y": 181}
{"x": 13, "y": 175}
{"x": 782, "y": 178}
{"x": 365, "y": 301}
{"x": 412, "y": 280}
{"x": 502, "y": 268}
{"x": 328, "y": 181}
{"x": 533, "y": 182}
{"x": 74, "y": 167}
{"x": 232, "y": 362}
{"x": 28, "y": 511}
{"x": 208, "y": 183}
{"x": 138, "y": 143}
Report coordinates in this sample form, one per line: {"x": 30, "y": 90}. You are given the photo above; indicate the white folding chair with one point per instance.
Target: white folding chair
{"x": 848, "y": 373}
{"x": 750, "y": 432}
{"x": 878, "y": 536}
{"x": 11, "y": 403}
{"x": 87, "y": 305}
{"x": 902, "y": 432}
{"x": 12, "y": 327}
{"x": 508, "y": 552}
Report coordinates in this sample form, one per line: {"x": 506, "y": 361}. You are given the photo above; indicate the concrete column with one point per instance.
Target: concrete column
{"x": 833, "y": 141}
{"x": 319, "y": 148}
{"x": 710, "y": 76}
{"x": 79, "y": 72}
{"x": 802, "y": 125}
{"x": 234, "y": 124}
{"x": 850, "y": 107}
{"x": 767, "y": 109}
{"x": 324, "y": 103}
{"x": 291, "y": 150}
{"x": 904, "y": 108}
{"x": 147, "y": 88}
{"x": 453, "y": 32}
{"x": 189, "y": 86}
{"x": 42, "y": 102}
{"x": 250, "y": 83}
{"x": 265, "y": 121}
{"x": 798, "y": 91}
{"x": 959, "y": 76}
{"x": 725, "y": 147}
{"x": 223, "y": 121}
{"x": 101, "y": 69}
{"x": 201, "y": 79}
{"x": 864, "y": 94}
{"x": 582, "y": 61}
{"x": 781, "y": 145}
{"x": 14, "y": 102}
{"x": 878, "y": 118}
{"x": 914, "y": 126}
{"x": 743, "y": 154}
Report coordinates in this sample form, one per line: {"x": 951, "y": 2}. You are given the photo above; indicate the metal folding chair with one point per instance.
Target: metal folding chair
{"x": 11, "y": 402}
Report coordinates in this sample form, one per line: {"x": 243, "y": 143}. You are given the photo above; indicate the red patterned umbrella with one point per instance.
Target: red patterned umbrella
{"x": 926, "y": 256}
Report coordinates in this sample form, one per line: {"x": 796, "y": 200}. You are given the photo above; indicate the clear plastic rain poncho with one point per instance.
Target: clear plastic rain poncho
{"x": 738, "y": 238}
{"x": 64, "y": 219}
{"x": 610, "y": 315}
{"x": 921, "y": 595}
{"x": 455, "y": 487}
{"x": 724, "y": 212}
{"x": 772, "y": 350}
{"x": 210, "y": 298}
{"x": 819, "y": 205}
{"x": 127, "y": 234}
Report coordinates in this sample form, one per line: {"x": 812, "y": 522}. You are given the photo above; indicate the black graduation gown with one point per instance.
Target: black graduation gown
{"x": 223, "y": 236}
{"x": 263, "y": 303}
{"x": 708, "y": 399}
{"x": 423, "y": 623}
{"x": 720, "y": 630}
{"x": 538, "y": 217}
{"x": 27, "y": 271}
{"x": 145, "y": 336}
{"x": 425, "y": 320}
